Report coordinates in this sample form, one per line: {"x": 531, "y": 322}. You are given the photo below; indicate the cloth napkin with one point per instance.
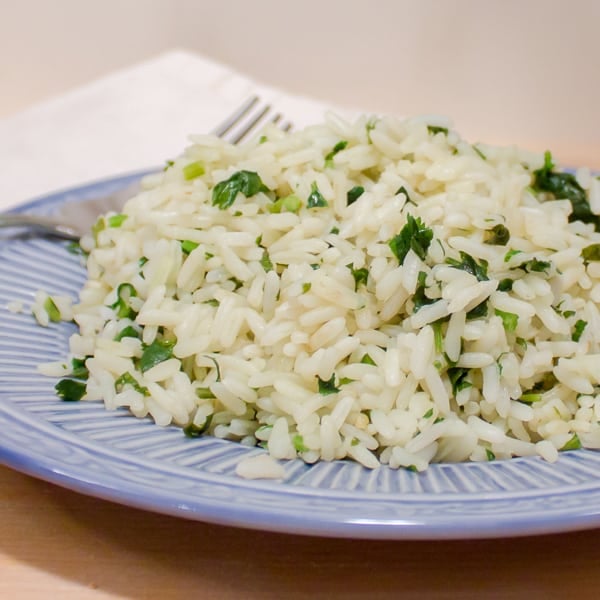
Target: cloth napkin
{"x": 131, "y": 120}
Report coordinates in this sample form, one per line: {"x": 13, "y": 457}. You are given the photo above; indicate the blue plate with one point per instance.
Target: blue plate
{"x": 114, "y": 456}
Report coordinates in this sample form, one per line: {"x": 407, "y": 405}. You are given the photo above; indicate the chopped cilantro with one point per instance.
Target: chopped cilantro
{"x": 591, "y": 253}
{"x": 509, "y": 320}
{"x": 354, "y": 194}
{"x": 536, "y": 266}
{"x": 187, "y": 246}
{"x": 78, "y": 368}
{"x": 155, "y": 353}
{"x": 212, "y": 302}
{"x": 289, "y": 203}
{"x": 168, "y": 164}
{"x": 193, "y": 431}
{"x": 415, "y": 236}
{"x": 438, "y": 336}
{"x": 402, "y": 190}
{"x": 306, "y": 287}
{"x": 247, "y": 183}
{"x": 125, "y": 291}
{"x": 193, "y": 170}
{"x": 419, "y": 298}
{"x": 428, "y": 414}
{"x": 510, "y": 254}
{"x": 262, "y": 139}
{"x": 116, "y": 220}
{"x": 337, "y": 148}
{"x": 129, "y": 379}
{"x": 580, "y": 325}
{"x": 204, "y": 393}
{"x": 128, "y": 331}
{"x": 505, "y": 285}
{"x": 433, "y": 129}
{"x": 479, "y": 152}
{"x": 470, "y": 265}
{"x": 76, "y": 249}
{"x": 530, "y": 397}
{"x": 458, "y": 379}
{"x": 70, "y": 390}
{"x": 367, "y": 360}
{"x": 298, "y": 442}
{"x": 478, "y": 312}
{"x": 327, "y": 387}
{"x": 371, "y": 124}
{"x": 265, "y": 262}
{"x": 498, "y": 235}
{"x": 345, "y": 380}
{"x": 573, "y": 444}
{"x": 52, "y": 310}
{"x": 360, "y": 276}
{"x": 489, "y": 454}
{"x": 315, "y": 199}
{"x": 564, "y": 186}
{"x": 217, "y": 367}
{"x": 335, "y": 230}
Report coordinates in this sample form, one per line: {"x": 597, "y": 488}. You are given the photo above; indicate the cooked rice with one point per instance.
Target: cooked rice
{"x": 299, "y": 328}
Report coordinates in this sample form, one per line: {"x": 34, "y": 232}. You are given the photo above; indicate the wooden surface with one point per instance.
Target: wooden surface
{"x": 58, "y": 544}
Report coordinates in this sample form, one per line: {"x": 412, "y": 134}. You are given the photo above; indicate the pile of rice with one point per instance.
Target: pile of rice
{"x": 362, "y": 302}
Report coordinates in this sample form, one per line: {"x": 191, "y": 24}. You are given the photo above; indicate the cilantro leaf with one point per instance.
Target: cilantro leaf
{"x": 591, "y": 253}
{"x": 354, "y": 194}
{"x": 327, "y": 387}
{"x": 573, "y": 444}
{"x": 498, "y": 235}
{"x": 433, "y": 129}
{"x": 580, "y": 325}
{"x": 509, "y": 320}
{"x": 247, "y": 183}
{"x": 470, "y": 265}
{"x": 70, "y": 390}
{"x": 194, "y": 431}
{"x": 157, "y": 352}
{"x": 315, "y": 199}
{"x": 360, "y": 275}
{"x": 415, "y": 236}
{"x": 337, "y": 148}
{"x": 458, "y": 379}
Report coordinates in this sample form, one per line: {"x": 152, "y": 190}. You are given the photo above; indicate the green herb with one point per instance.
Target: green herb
{"x": 458, "y": 379}
{"x": 509, "y": 320}
{"x": 168, "y": 164}
{"x": 580, "y": 325}
{"x": 419, "y": 298}
{"x": 506, "y": 285}
{"x": 212, "y": 302}
{"x": 530, "y": 397}
{"x": 337, "y": 148}
{"x": 591, "y": 253}
{"x": 536, "y": 266}
{"x": 402, "y": 190}
{"x": 76, "y": 249}
{"x": 564, "y": 186}
{"x": 327, "y": 387}
{"x": 217, "y": 367}
{"x": 478, "y": 312}
{"x": 237, "y": 284}
{"x": 371, "y": 124}
{"x": 70, "y": 390}
{"x": 52, "y": 310}
{"x": 315, "y": 199}
{"x": 367, "y": 360}
{"x": 335, "y": 230}
{"x": 415, "y": 236}
{"x": 194, "y": 431}
{"x": 522, "y": 342}
{"x": 573, "y": 444}
{"x": 479, "y": 152}
{"x": 510, "y": 254}
{"x": 315, "y": 266}
{"x": 129, "y": 379}
{"x": 489, "y": 454}
{"x": 345, "y": 380}
{"x": 204, "y": 393}
{"x": 262, "y": 139}
{"x": 247, "y": 183}
{"x": 78, "y": 368}
{"x": 187, "y": 246}
{"x": 128, "y": 331}
{"x": 433, "y": 129}
{"x": 470, "y": 265}
{"x": 193, "y": 170}
{"x": 568, "y": 313}
{"x": 208, "y": 255}
{"x": 290, "y": 203}
{"x": 354, "y": 194}
{"x": 547, "y": 382}
{"x": 438, "y": 336}
{"x": 116, "y": 220}
{"x": 142, "y": 261}
{"x": 306, "y": 287}
{"x": 498, "y": 235}
{"x": 412, "y": 468}
{"x": 298, "y": 442}
{"x": 125, "y": 291}
{"x": 265, "y": 262}
{"x": 97, "y": 227}
{"x": 157, "y": 352}
{"x": 360, "y": 276}
{"x": 428, "y": 414}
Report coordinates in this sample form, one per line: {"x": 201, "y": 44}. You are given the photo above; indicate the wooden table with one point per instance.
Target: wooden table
{"x": 55, "y": 543}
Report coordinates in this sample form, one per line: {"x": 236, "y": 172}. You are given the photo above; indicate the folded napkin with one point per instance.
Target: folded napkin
{"x": 131, "y": 120}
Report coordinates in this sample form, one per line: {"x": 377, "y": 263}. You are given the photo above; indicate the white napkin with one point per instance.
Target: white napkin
{"x": 131, "y": 120}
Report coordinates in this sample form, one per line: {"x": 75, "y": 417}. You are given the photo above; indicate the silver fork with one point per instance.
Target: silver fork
{"x": 76, "y": 218}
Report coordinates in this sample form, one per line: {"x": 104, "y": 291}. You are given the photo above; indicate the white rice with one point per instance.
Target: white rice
{"x": 299, "y": 328}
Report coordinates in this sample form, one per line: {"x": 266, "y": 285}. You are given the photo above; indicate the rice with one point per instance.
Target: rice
{"x": 381, "y": 291}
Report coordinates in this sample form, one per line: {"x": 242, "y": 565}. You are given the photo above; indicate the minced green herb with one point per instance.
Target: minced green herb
{"x": 187, "y": 246}
{"x": 327, "y": 387}
{"x": 204, "y": 393}
{"x": 217, "y": 367}
{"x": 367, "y": 360}
{"x": 78, "y": 368}
{"x": 573, "y": 444}
{"x": 345, "y": 380}
{"x": 125, "y": 291}
{"x": 193, "y": 170}
{"x": 290, "y": 203}
{"x": 511, "y": 253}
{"x": 478, "y": 312}
{"x": 433, "y": 129}
{"x": 370, "y": 125}
{"x": 505, "y": 285}
{"x": 337, "y": 148}
{"x": 315, "y": 199}
{"x": 438, "y": 336}
{"x": 168, "y": 164}
{"x": 247, "y": 183}
{"x": 129, "y": 379}
{"x": 52, "y": 310}
{"x": 265, "y": 262}
{"x": 354, "y": 194}
{"x": 419, "y": 298}
{"x": 591, "y": 253}
{"x": 298, "y": 443}
{"x": 76, "y": 249}
{"x": 360, "y": 276}
{"x": 509, "y": 320}
{"x": 536, "y": 266}
{"x": 128, "y": 331}
{"x": 155, "y": 353}
{"x": 70, "y": 390}
{"x": 306, "y": 287}
{"x": 580, "y": 325}
{"x": 564, "y": 186}
{"x": 212, "y": 302}
{"x": 489, "y": 454}
{"x": 116, "y": 220}
{"x": 479, "y": 152}
{"x": 428, "y": 414}
{"x": 194, "y": 431}
{"x": 530, "y": 397}
{"x": 458, "y": 379}
{"x": 415, "y": 236}
{"x": 498, "y": 235}
{"x": 470, "y": 265}
{"x": 402, "y": 190}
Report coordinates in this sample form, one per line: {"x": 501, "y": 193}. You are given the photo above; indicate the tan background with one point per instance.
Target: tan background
{"x": 523, "y": 71}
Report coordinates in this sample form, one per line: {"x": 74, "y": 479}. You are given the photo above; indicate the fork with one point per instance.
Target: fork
{"x": 249, "y": 118}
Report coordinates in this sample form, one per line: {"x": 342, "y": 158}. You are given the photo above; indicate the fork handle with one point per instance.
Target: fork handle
{"x": 43, "y": 224}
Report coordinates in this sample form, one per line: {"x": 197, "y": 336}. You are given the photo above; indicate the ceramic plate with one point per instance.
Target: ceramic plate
{"x": 114, "y": 456}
